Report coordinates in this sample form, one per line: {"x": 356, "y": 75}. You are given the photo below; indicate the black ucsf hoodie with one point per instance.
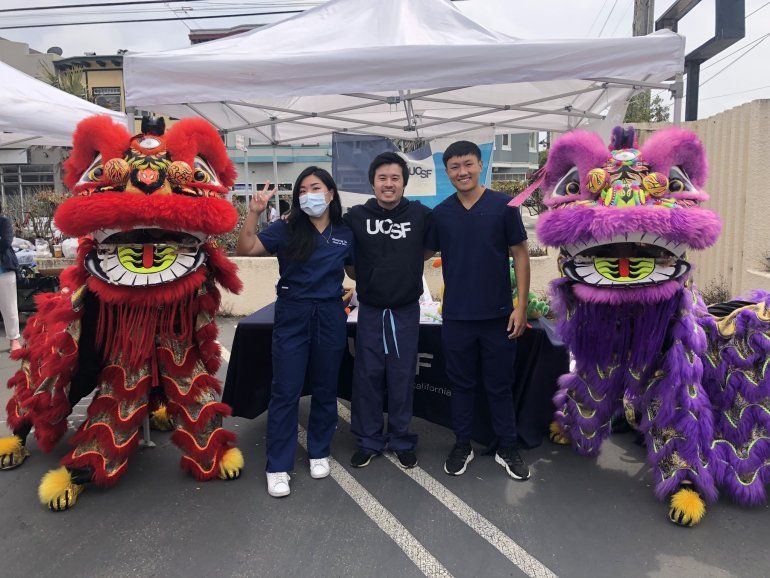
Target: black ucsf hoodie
{"x": 389, "y": 252}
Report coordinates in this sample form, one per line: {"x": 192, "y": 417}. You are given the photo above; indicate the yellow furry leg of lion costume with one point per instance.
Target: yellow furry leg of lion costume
{"x": 58, "y": 491}
{"x": 12, "y": 452}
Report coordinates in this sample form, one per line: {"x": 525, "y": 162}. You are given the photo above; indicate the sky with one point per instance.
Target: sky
{"x": 746, "y": 74}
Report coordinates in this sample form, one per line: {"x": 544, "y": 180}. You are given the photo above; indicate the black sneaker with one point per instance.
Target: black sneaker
{"x": 459, "y": 457}
{"x": 362, "y": 458}
{"x": 406, "y": 458}
{"x": 513, "y": 463}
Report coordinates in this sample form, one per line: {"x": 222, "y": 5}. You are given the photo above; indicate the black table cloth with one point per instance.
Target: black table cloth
{"x": 540, "y": 360}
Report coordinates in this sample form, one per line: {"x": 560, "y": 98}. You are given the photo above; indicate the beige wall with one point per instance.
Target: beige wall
{"x": 19, "y": 56}
{"x": 260, "y": 274}
{"x": 739, "y": 185}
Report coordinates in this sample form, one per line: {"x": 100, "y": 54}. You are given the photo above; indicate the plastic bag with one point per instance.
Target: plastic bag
{"x": 69, "y": 248}
{"x": 41, "y": 249}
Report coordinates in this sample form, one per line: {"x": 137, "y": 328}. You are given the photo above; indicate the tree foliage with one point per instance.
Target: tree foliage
{"x": 646, "y": 108}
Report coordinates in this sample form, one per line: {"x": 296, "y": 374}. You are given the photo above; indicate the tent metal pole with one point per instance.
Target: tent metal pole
{"x": 275, "y": 173}
{"x": 678, "y": 100}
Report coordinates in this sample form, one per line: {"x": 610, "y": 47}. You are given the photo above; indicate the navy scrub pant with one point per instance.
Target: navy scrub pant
{"x": 306, "y": 335}
{"x": 386, "y": 358}
{"x": 480, "y": 349}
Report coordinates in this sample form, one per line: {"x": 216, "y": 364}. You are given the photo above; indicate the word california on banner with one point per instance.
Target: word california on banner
{"x": 428, "y": 183}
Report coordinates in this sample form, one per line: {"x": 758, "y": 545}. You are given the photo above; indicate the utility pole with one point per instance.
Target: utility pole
{"x": 643, "y": 25}
{"x": 643, "y": 12}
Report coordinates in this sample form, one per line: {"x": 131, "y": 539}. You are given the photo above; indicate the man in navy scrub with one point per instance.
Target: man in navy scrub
{"x": 476, "y": 231}
{"x": 389, "y": 232}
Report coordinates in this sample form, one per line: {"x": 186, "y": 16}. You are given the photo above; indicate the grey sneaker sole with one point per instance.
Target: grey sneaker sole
{"x": 403, "y": 467}
{"x": 461, "y": 471}
{"x": 366, "y": 463}
{"x": 501, "y": 461}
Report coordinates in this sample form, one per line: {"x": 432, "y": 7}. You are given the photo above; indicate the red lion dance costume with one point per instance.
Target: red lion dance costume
{"x": 134, "y": 319}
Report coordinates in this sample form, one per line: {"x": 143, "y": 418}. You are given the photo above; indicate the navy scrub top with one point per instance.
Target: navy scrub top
{"x": 474, "y": 254}
{"x": 320, "y": 277}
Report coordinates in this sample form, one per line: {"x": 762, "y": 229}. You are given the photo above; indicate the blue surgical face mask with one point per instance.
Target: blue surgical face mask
{"x": 314, "y": 204}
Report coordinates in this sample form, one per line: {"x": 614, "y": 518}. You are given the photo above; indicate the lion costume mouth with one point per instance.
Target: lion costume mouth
{"x": 627, "y": 260}
{"x": 144, "y": 256}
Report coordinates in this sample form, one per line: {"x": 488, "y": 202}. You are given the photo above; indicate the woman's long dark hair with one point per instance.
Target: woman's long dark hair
{"x": 302, "y": 233}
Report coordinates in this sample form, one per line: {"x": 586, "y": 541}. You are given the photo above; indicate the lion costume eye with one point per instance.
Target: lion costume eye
{"x": 93, "y": 173}
{"x": 202, "y": 172}
{"x": 569, "y": 184}
{"x": 572, "y": 188}
{"x": 678, "y": 182}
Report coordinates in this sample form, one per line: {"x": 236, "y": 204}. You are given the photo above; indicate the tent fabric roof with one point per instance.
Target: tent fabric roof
{"x": 35, "y": 113}
{"x": 399, "y": 68}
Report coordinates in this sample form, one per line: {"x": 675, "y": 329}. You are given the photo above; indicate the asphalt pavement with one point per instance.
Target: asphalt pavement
{"x": 575, "y": 517}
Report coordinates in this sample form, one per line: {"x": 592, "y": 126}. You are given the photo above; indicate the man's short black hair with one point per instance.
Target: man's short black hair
{"x": 461, "y": 148}
{"x": 388, "y": 158}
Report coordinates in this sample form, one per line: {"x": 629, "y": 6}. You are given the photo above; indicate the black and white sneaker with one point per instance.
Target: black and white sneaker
{"x": 459, "y": 458}
{"x": 362, "y": 457}
{"x": 513, "y": 463}
{"x": 406, "y": 458}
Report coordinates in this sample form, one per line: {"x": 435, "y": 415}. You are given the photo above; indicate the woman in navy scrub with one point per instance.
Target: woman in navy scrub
{"x": 313, "y": 246}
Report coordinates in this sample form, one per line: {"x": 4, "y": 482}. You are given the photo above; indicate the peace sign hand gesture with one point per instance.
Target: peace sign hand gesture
{"x": 259, "y": 200}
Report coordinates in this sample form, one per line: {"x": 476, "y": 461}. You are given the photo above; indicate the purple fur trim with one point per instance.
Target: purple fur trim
{"x": 698, "y": 228}
{"x": 653, "y": 294}
{"x": 623, "y": 138}
{"x": 677, "y": 147}
{"x": 737, "y": 381}
{"x": 688, "y": 415}
{"x": 581, "y": 149}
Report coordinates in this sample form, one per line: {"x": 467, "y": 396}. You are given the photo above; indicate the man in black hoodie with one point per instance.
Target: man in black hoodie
{"x": 389, "y": 231}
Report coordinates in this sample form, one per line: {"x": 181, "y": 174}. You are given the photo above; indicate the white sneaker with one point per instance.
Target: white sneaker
{"x": 319, "y": 468}
{"x": 278, "y": 484}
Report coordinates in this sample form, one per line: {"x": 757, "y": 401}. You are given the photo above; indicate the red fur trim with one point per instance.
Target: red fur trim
{"x": 105, "y": 438}
{"x": 202, "y": 382}
{"x": 164, "y": 294}
{"x": 168, "y": 363}
{"x": 80, "y": 216}
{"x": 209, "y": 411}
{"x": 129, "y": 330}
{"x": 225, "y": 271}
{"x": 97, "y": 462}
{"x": 48, "y": 435}
{"x": 111, "y": 406}
{"x": 94, "y": 135}
{"x": 116, "y": 377}
{"x": 219, "y": 442}
{"x": 194, "y": 136}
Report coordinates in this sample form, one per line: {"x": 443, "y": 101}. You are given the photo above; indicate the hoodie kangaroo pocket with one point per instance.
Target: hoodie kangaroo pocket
{"x": 393, "y": 286}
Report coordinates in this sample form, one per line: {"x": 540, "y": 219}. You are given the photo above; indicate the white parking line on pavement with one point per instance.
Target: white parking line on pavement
{"x": 527, "y": 563}
{"x": 478, "y": 523}
{"x": 386, "y": 521}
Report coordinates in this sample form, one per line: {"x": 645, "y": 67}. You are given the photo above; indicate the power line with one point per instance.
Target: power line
{"x": 758, "y": 9}
{"x": 741, "y": 49}
{"x": 596, "y": 17}
{"x": 608, "y": 18}
{"x": 739, "y": 92}
{"x": 185, "y": 9}
{"x": 62, "y": 6}
{"x": 734, "y": 61}
{"x": 622, "y": 18}
{"x": 151, "y": 19}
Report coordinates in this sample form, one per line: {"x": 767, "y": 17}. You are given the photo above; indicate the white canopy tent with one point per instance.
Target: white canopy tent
{"x": 403, "y": 69}
{"x": 35, "y": 113}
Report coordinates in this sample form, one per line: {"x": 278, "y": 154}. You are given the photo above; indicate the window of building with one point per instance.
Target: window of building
{"x": 506, "y": 142}
{"x": 533, "y": 142}
{"x": 107, "y": 96}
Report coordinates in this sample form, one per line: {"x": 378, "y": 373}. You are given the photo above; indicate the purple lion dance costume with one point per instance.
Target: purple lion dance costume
{"x": 695, "y": 384}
